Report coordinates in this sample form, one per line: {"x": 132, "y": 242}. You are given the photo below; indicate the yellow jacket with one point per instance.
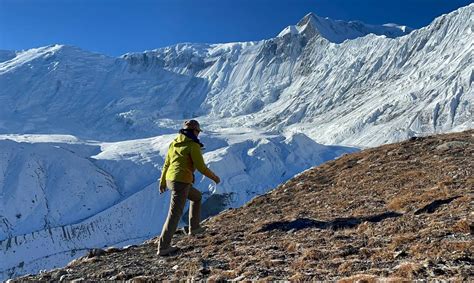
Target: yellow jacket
{"x": 183, "y": 158}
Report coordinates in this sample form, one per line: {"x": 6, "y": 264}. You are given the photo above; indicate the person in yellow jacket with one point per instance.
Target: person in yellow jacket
{"x": 183, "y": 158}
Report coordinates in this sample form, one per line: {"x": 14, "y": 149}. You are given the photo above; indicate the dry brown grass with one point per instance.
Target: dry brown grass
{"x": 291, "y": 247}
{"x": 402, "y": 240}
{"x": 312, "y": 254}
{"x": 382, "y": 255}
{"x": 462, "y": 226}
{"x": 458, "y": 246}
{"x": 395, "y": 279}
{"x": 345, "y": 267}
{"x": 359, "y": 278}
{"x": 408, "y": 199}
{"x": 407, "y": 270}
{"x": 297, "y": 277}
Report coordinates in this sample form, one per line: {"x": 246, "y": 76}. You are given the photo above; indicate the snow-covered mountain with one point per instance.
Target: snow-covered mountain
{"x": 84, "y": 134}
{"x": 364, "y": 90}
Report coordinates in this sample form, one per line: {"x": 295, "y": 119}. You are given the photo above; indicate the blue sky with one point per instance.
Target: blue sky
{"x": 115, "y": 27}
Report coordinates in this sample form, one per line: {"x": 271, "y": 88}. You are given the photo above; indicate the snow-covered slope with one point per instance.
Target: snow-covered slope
{"x": 63, "y": 89}
{"x": 87, "y": 133}
{"x": 36, "y": 179}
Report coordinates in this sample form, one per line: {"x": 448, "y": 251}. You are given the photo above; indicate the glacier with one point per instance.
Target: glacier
{"x": 83, "y": 135}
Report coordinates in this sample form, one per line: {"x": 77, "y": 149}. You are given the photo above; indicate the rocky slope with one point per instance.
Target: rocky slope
{"x": 400, "y": 211}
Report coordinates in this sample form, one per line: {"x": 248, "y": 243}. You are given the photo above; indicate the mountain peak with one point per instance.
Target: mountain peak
{"x": 309, "y": 17}
{"x": 338, "y": 31}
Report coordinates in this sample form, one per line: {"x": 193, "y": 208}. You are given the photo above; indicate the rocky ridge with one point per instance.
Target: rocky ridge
{"x": 399, "y": 211}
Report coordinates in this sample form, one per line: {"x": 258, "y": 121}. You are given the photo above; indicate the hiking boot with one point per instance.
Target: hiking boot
{"x": 168, "y": 251}
{"x": 197, "y": 231}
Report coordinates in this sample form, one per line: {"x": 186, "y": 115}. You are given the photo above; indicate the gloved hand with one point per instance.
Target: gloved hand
{"x": 162, "y": 188}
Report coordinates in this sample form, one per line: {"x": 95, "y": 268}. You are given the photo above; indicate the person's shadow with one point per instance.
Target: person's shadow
{"x": 336, "y": 224}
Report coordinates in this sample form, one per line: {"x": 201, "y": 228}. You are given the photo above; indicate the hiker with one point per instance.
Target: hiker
{"x": 184, "y": 156}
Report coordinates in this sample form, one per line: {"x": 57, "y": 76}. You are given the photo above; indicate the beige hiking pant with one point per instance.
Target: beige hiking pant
{"x": 180, "y": 192}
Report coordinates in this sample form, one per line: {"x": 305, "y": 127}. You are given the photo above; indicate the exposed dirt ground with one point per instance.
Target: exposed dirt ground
{"x": 400, "y": 211}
